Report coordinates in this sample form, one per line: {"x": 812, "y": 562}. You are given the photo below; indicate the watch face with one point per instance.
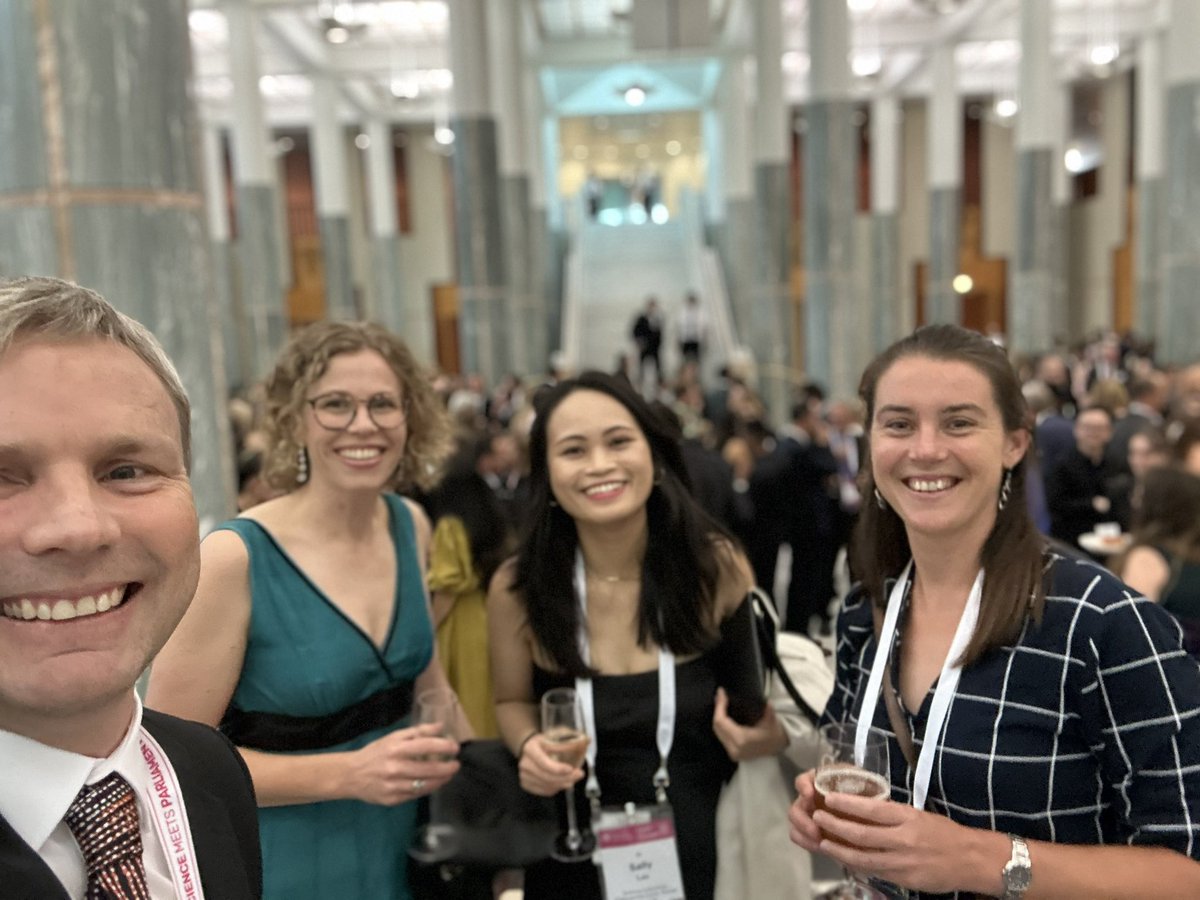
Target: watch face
{"x": 1017, "y": 878}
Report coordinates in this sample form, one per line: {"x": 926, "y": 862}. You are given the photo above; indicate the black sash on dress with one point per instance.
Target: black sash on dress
{"x": 278, "y": 733}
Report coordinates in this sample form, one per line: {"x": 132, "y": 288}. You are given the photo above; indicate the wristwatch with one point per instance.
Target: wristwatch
{"x": 1018, "y": 871}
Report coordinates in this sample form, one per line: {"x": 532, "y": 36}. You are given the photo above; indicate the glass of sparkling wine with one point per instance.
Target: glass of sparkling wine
{"x": 565, "y": 739}
{"x": 438, "y": 706}
{"x": 838, "y": 771}
{"x": 437, "y": 840}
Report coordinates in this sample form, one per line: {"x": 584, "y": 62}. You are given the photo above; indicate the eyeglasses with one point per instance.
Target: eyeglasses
{"x": 337, "y": 409}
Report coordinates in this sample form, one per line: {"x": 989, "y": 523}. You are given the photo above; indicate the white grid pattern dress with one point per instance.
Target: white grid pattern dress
{"x": 1086, "y": 731}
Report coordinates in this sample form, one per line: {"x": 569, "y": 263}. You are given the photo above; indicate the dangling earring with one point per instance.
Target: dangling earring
{"x": 1005, "y": 489}
{"x": 301, "y": 466}
{"x": 879, "y": 501}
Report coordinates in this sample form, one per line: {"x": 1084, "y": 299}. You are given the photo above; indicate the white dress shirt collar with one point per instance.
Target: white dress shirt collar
{"x": 38, "y": 782}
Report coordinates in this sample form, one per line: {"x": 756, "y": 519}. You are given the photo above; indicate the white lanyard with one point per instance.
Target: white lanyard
{"x": 664, "y": 735}
{"x": 170, "y": 818}
{"x": 946, "y": 686}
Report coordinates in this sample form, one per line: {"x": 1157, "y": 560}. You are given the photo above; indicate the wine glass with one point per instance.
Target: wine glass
{"x": 436, "y": 841}
{"x": 838, "y": 771}
{"x": 565, "y": 739}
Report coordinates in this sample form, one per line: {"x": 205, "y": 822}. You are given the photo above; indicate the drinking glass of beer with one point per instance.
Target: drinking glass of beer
{"x": 839, "y": 771}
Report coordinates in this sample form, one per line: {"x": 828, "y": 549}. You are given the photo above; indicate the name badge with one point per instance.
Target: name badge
{"x": 637, "y": 854}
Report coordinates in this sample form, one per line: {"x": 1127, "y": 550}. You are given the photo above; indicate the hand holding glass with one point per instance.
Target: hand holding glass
{"x": 839, "y": 772}
{"x": 438, "y": 706}
{"x": 436, "y": 841}
{"x": 565, "y": 739}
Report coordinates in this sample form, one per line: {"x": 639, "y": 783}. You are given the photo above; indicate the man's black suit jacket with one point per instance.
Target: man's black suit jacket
{"x": 220, "y": 808}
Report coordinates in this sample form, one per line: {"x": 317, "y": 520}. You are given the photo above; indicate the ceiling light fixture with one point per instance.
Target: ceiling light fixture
{"x": 1006, "y": 107}
{"x": 866, "y": 63}
{"x": 635, "y": 95}
{"x": 1104, "y": 54}
{"x": 339, "y": 20}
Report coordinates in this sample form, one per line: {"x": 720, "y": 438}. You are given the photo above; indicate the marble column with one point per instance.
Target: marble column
{"x": 391, "y": 307}
{"x": 734, "y": 232}
{"x": 944, "y": 148}
{"x": 555, "y": 242}
{"x": 333, "y": 207}
{"x": 835, "y": 327}
{"x": 1060, "y": 230}
{"x": 506, "y": 61}
{"x": 100, "y": 184}
{"x": 882, "y": 305}
{"x": 1149, "y": 132}
{"x": 260, "y": 241}
{"x": 1179, "y": 319}
{"x": 1030, "y": 288}
{"x": 538, "y": 239}
{"x": 239, "y": 352}
{"x": 771, "y": 324}
{"x": 483, "y": 320}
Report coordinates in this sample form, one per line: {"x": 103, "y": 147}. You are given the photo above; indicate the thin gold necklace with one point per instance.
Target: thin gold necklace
{"x": 611, "y": 579}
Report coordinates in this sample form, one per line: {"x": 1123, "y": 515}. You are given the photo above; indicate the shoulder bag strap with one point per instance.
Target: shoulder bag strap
{"x": 766, "y": 641}
{"x": 895, "y": 716}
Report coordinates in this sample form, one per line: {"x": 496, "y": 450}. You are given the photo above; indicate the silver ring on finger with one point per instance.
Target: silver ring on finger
{"x": 418, "y": 784}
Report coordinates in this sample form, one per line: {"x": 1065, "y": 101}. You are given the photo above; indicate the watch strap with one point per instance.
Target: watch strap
{"x": 1018, "y": 871}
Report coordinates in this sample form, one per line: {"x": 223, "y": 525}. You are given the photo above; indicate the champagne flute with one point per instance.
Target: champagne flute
{"x": 438, "y": 706}
{"x": 838, "y": 771}
{"x": 436, "y": 841}
{"x": 565, "y": 739}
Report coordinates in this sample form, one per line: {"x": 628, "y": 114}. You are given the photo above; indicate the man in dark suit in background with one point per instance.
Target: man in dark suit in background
{"x": 99, "y": 558}
{"x": 648, "y": 335}
{"x": 1148, "y": 395}
{"x": 1077, "y": 489}
{"x": 812, "y": 517}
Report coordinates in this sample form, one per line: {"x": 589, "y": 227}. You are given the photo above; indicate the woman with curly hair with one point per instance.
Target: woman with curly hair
{"x": 310, "y": 632}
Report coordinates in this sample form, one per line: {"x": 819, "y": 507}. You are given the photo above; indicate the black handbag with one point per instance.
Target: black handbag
{"x": 498, "y": 825}
{"x": 738, "y": 664}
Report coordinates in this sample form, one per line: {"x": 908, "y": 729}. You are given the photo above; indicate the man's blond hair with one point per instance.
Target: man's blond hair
{"x": 51, "y": 309}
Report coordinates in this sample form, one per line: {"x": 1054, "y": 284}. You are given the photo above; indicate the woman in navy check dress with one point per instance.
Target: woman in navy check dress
{"x": 1044, "y": 721}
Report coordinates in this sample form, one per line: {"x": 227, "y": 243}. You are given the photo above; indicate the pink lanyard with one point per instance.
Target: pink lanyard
{"x": 170, "y": 819}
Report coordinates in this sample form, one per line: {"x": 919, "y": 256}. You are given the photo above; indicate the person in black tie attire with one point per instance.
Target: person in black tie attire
{"x": 99, "y": 557}
{"x": 648, "y": 334}
{"x": 1077, "y": 489}
{"x": 812, "y": 513}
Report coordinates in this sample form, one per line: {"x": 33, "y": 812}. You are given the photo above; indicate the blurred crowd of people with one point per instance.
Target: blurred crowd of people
{"x": 424, "y": 560}
{"x": 1112, "y": 473}
{"x": 1103, "y": 414}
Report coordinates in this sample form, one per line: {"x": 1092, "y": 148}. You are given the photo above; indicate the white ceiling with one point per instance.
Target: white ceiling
{"x": 394, "y": 61}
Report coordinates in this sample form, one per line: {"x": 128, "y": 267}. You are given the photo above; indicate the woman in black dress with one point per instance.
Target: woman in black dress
{"x": 620, "y": 564}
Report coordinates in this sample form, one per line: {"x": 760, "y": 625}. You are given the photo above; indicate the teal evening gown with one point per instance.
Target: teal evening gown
{"x": 304, "y": 657}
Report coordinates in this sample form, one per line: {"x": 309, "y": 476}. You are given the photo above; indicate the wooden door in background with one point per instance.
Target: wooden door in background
{"x": 445, "y": 327}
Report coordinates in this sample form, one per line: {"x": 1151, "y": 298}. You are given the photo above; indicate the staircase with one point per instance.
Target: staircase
{"x": 611, "y": 270}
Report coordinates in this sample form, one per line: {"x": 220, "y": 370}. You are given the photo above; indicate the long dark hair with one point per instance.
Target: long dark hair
{"x": 1013, "y": 552}
{"x": 1169, "y": 513}
{"x": 680, "y": 572}
{"x": 464, "y": 493}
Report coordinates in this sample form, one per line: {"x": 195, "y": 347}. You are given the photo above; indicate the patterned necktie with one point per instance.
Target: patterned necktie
{"x": 104, "y": 820}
